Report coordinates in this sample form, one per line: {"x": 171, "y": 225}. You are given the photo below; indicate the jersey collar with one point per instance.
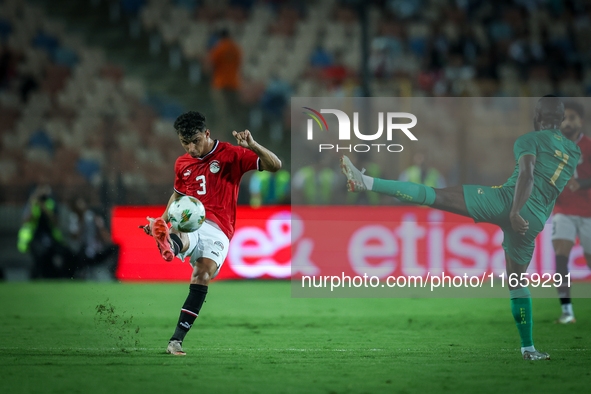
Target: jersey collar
{"x": 211, "y": 151}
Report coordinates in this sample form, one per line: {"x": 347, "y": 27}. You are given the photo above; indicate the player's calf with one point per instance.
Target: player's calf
{"x": 568, "y": 315}
{"x": 189, "y": 312}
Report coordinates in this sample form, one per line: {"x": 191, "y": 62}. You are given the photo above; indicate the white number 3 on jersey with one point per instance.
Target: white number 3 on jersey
{"x": 202, "y": 190}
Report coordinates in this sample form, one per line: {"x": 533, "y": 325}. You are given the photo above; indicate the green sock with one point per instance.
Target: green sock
{"x": 405, "y": 191}
{"x": 521, "y": 309}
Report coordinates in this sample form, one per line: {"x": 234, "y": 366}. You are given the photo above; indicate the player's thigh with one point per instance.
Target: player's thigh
{"x": 488, "y": 204}
{"x": 584, "y": 234}
{"x": 190, "y": 244}
{"x": 520, "y": 248}
{"x": 204, "y": 270}
{"x": 213, "y": 245}
{"x": 451, "y": 199}
{"x": 564, "y": 233}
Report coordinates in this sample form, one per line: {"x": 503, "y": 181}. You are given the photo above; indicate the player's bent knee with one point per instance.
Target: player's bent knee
{"x": 200, "y": 277}
{"x": 562, "y": 247}
{"x": 203, "y": 271}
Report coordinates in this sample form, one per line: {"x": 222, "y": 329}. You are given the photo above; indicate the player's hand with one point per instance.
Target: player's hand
{"x": 519, "y": 224}
{"x": 146, "y": 227}
{"x": 573, "y": 185}
{"x": 244, "y": 138}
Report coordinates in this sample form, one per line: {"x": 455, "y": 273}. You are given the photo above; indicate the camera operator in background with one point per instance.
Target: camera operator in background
{"x": 40, "y": 235}
{"x": 89, "y": 240}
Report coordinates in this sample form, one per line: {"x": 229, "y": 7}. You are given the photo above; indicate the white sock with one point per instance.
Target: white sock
{"x": 367, "y": 181}
{"x": 568, "y": 308}
{"x": 528, "y": 349}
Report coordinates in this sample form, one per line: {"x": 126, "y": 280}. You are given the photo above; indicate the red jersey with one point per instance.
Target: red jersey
{"x": 214, "y": 179}
{"x": 578, "y": 203}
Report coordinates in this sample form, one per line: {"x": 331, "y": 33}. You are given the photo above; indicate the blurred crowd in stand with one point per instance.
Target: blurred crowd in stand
{"x": 69, "y": 117}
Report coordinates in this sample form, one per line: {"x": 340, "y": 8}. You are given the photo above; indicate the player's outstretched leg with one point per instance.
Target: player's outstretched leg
{"x": 522, "y": 312}
{"x": 404, "y": 191}
{"x": 159, "y": 230}
{"x": 449, "y": 199}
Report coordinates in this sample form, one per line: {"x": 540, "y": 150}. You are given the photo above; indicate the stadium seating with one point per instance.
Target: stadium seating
{"x": 281, "y": 39}
{"x": 68, "y": 114}
{"x": 70, "y": 92}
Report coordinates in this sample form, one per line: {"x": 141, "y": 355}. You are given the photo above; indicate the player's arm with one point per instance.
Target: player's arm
{"x": 523, "y": 189}
{"x": 269, "y": 161}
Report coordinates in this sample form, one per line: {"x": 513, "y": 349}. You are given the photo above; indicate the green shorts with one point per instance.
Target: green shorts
{"x": 493, "y": 205}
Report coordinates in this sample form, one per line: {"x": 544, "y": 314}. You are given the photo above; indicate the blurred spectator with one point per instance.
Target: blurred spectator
{"x": 27, "y": 86}
{"x": 8, "y": 63}
{"x": 421, "y": 173}
{"x": 335, "y": 74}
{"x": 40, "y": 235}
{"x": 267, "y": 188}
{"x": 41, "y": 140}
{"x": 225, "y": 59}
{"x": 321, "y": 57}
{"x": 385, "y": 51}
{"x": 404, "y": 8}
{"x": 273, "y": 102}
{"x": 90, "y": 240}
{"x": 316, "y": 184}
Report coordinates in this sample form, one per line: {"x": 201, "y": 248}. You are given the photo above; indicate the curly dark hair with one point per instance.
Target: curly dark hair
{"x": 575, "y": 106}
{"x": 189, "y": 123}
{"x": 550, "y": 110}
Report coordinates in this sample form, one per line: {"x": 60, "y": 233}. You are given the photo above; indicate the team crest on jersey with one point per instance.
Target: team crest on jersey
{"x": 214, "y": 166}
{"x": 219, "y": 245}
{"x": 187, "y": 173}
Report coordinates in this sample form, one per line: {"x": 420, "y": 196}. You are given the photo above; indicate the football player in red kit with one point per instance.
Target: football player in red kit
{"x": 572, "y": 212}
{"x": 210, "y": 171}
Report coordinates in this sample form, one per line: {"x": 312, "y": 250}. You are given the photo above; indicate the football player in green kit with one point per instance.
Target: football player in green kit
{"x": 546, "y": 160}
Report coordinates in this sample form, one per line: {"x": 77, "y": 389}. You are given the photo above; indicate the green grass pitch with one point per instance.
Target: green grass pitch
{"x": 63, "y": 337}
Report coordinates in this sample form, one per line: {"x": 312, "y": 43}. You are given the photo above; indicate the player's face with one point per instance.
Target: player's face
{"x": 572, "y": 124}
{"x": 196, "y": 145}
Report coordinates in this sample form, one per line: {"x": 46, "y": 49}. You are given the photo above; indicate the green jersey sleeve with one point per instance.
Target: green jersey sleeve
{"x": 525, "y": 145}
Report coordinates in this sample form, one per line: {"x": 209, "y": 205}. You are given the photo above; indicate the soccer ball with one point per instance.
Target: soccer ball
{"x": 186, "y": 214}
